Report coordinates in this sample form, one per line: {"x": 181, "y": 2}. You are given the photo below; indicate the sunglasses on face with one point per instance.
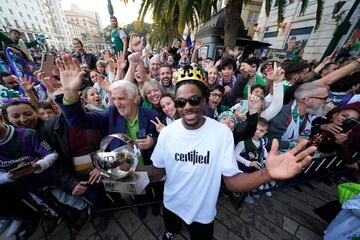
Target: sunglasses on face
{"x": 193, "y": 101}
{"x": 10, "y": 100}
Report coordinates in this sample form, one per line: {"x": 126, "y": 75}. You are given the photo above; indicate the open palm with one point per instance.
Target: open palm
{"x": 289, "y": 164}
{"x": 71, "y": 75}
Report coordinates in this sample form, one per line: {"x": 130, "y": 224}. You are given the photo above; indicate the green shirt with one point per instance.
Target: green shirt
{"x": 146, "y": 104}
{"x": 6, "y": 40}
{"x": 258, "y": 81}
{"x": 133, "y": 128}
{"x": 115, "y": 38}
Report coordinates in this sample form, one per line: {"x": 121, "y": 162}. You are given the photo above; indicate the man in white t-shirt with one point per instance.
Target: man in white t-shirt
{"x": 196, "y": 151}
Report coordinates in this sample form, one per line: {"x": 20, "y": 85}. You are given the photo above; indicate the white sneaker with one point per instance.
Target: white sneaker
{"x": 14, "y": 228}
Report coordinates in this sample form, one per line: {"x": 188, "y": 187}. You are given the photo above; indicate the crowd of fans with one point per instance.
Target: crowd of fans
{"x": 132, "y": 89}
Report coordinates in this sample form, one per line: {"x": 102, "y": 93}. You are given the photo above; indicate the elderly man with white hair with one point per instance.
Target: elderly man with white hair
{"x": 293, "y": 122}
{"x": 123, "y": 116}
{"x": 154, "y": 67}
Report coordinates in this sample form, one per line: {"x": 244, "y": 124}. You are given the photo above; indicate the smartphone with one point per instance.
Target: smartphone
{"x": 20, "y": 168}
{"x": 349, "y": 124}
{"x": 141, "y": 134}
{"x": 47, "y": 63}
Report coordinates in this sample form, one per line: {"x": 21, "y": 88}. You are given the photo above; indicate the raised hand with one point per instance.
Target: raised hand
{"x": 254, "y": 102}
{"x": 120, "y": 60}
{"x": 278, "y": 74}
{"x": 158, "y": 124}
{"x": 289, "y": 164}
{"x": 111, "y": 66}
{"x": 135, "y": 59}
{"x": 27, "y": 83}
{"x": 245, "y": 69}
{"x": 198, "y": 44}
{"x": 104, "y": 83}
{"x": 71, "y": 76}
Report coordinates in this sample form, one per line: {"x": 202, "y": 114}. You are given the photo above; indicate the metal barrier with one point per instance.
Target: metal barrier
{"x": 328, "y": 166}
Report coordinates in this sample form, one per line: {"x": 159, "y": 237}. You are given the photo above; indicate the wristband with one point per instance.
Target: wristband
{"x": 357, "y": 64}
{"x": 69, "y": 102}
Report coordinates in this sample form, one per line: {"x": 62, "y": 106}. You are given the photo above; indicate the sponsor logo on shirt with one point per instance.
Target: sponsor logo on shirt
{"x": 193, "y": 157}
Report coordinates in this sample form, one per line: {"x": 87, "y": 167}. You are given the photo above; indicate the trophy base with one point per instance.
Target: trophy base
{"x": 134, "y": 183}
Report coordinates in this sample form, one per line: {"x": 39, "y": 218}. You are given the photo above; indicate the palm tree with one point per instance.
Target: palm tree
{"x": 304, "y": 3}
{"x": 175, "y": 14}
{"x": 171, "y": 16}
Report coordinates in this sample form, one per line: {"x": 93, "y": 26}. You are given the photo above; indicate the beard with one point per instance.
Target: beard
{"x": 316, "y": 110}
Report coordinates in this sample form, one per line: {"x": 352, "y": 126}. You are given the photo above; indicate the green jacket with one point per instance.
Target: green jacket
{"x": 7, "y": 41}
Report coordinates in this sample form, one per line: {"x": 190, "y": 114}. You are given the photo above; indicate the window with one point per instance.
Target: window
{"x": 20, "y": 14}
{"x": 36, "y": 18}
{"x": 253, "y": 17}
{"x": 44, "y": 21}
{"x": 16, "y": 24}
{"x": 33, "y": 26}
{"x": 25, "y": 6}
{"x": 1, "y": 9}
{"x": 16, "y": 3}
{"x": 29, "y": 16}
{"x": 25, "y": 24}
{"x": 11, "y": 12}
{"x": 40, "y": 28}
{"x": 46, "y": 29}
{"x": 7, "y": 22}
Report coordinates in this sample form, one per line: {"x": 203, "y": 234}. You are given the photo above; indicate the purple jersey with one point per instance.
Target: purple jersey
{"x": 20, "y": 146}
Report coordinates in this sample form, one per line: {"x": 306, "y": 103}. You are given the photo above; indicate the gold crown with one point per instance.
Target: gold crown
{"x": 190, "y": 73}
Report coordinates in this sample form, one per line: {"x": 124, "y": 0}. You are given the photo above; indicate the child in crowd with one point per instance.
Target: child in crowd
{"x": 251, "y": 153}
{"x": 101, "y": 68}
{"x": 45, "y": 111}
{"x": 228, "y": 118}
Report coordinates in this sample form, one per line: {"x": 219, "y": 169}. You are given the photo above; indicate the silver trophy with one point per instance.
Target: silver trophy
{"x": 118, "y": 163}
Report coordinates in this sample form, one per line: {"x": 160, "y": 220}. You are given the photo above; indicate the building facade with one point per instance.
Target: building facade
{"x": 85, "y": 25}
{"x": 34, "y": 17}
{"x": 297, "y": 31}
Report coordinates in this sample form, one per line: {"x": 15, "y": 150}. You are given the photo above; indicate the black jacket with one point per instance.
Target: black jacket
{"x": 90, "y": 59}
{"x": 55, "y": 132}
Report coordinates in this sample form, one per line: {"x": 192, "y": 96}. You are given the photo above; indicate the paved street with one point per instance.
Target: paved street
{"x": 288, "y": 214}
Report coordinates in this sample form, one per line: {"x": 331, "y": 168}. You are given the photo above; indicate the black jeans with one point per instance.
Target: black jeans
{"x": 198, "y": 231}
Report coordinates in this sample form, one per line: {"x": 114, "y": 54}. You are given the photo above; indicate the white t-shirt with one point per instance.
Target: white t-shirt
{"x": 194, "y": 161}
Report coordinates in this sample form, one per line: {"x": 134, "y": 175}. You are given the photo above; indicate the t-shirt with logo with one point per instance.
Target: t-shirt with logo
{"x": 21, "y": 145}
{"x": 194, "y": 161}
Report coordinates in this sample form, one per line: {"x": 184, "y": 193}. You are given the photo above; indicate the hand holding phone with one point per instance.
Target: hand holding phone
{"x": 20, "y": 171}
{"x": 349, "y": 124}
{"x": 141, "y": 134}
{"x": 47, "y": 64}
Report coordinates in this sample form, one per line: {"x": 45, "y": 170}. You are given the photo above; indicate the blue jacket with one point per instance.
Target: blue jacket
{"x": 110, "y": 122}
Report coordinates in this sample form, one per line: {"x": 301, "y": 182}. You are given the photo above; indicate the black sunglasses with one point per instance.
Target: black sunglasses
{"x": 193, "y": 101}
